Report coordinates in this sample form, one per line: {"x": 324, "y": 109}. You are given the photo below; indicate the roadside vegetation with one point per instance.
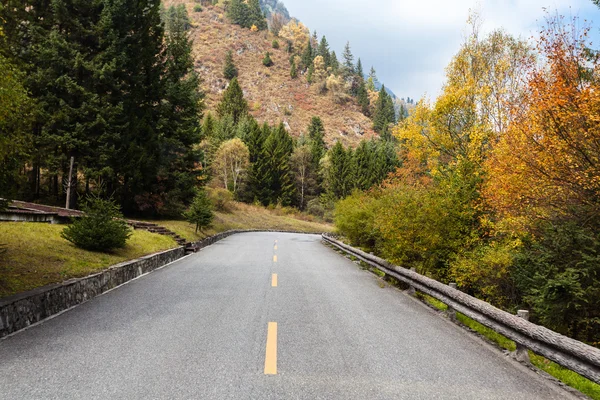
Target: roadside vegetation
{"x": 36, "y": 255}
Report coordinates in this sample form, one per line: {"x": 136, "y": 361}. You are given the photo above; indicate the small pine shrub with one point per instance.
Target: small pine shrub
{"x": 102, "y": 228}
{"x": 229, "y": 70}
{"x": 197, "y": 8}
{"x": 201, "y": 211}
{"x": 267, "y": 62}
{"x": 275, "y": 44}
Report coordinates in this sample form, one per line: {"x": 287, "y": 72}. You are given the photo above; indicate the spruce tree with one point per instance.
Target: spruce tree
{"x": 181, "y": 112}
{"x": 340, "y": 174}
{"x": 256, "y": 16}
{"x": 363, "y": 97}
{"x": 364, "y": 160}
{"x": 385, "y": 113}
{"x": 229, "y": 70}
{"x": 348, "y": 61}
{"x": 238, "y": 13}
{"x": 276, "y": 169}
{"x": 201, "y": 211}
{"x": 311, "y": 71}
{"x": 233, "y": 102}
{"x": 293, "y": 70}
{"x": 372, "y": 80}
{"x": 307, "y": 56}
{"x": 316, "y": 134}
{"x": 335, "y": 64}
{"x": 359, "y": 69}
{"x": 324, "y": 52}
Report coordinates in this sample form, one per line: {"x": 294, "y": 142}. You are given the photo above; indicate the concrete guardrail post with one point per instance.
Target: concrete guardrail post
{"x": 522, "y": 352}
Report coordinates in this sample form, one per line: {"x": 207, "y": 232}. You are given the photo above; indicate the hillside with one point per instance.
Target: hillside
{"x": 271, "y": 94}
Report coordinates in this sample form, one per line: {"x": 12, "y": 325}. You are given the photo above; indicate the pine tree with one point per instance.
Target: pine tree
{"x": 293, "y": 70}
{"x": 316, "y": 134}
{"x": 363, "y": 97}
{"x": 256, "y": 16}
{"x": 359, "y": 69}
{"x": 324, "y": 52}
{"x": 311, "y": 71}
{"x": 201, "y": 211}
{"x": 238, "y": 13}
{"x": 335, "y": 64}
{"x": 307, "y": 56}
{"x": 364, "y": 160}
{"x": 181, "y": 112}
{"x": 340, "y": 174}
{"x": 276, "y": 169}
{"x": 208, "y": 126}
{"x": 372, "y": 80}
{"x": 233, "y": 102}
{"x": 348, "y": 61}
{"x": 385, "y": 113}
{"x": 229, "y": 70}
{"x": 267, "y": 62}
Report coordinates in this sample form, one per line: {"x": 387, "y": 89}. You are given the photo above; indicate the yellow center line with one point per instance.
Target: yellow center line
{"x": 274, "y": 280}
{"x": 275, "y": 258}
{"x": 275, "y": 248}
{"x": 271, "y": 353}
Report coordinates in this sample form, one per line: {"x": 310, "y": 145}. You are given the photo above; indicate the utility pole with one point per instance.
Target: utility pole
{"x": 69, "y": 183}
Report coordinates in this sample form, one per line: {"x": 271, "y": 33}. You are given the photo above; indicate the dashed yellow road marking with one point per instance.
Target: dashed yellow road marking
{"x": 275, "y": 258}
{"x": 274, "y": 280}
{"x": 271, "y": 352}
{"x": 275, "y": 248}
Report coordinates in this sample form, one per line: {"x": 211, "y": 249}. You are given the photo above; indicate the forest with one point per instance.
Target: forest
{"x": 499, "y": 184}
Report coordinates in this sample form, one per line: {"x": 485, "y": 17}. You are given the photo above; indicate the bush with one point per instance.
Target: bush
{"x": 275, "y": 44}
{"x": 197, "y": 8}
{"x": 201, "y": 211}
{"x": 267, "y": 62}
{"x": 355, "y": 219}
{"x": 102, "y": 228}
{"x": 221, "y": 199}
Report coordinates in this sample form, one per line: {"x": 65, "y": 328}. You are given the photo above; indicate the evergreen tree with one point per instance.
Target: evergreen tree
{"x": 372, "y": 80}
{"x": 229, "y": 70}
{"x": 276, "y": 169}
{"x": 335, "y": 64}
{"x": 340, "y": 172}
{"x": 363, "y": 97}
{"x": 316, "y": 134}
{"x": 311, "y": 71}
{"x": 208, "y": 126}
{"x": 324, "y": 52}
{"x": 256, "y": 16}
{"x": 238, "y": 12}
{"x": 233, "y": 102}
{"x": 181, "y": 112}
{"x": 385, "y": 113}
{"x": 307, "y": 56}
{"x": 359, "y": 69}
{"x": 293, "y": 70}
{"x": 348, "y": 61}
{"x": 201, "y": 211}
{"x": 364, "y": 160}
{"x": 267, "y": 62}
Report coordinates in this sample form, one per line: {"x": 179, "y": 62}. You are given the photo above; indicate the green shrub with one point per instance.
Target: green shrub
{"x": 267, "y": 62}
{"x": 201, "y": 211}
{"x": 275, "y": 44}
{"x": 102, "y": 228}
{"x": 221, "y": 199}
{"x": 355, "y": 217}
{"x": 197, "y": 8}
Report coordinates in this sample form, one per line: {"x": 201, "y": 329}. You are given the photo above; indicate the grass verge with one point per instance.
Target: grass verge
{"x": 564, "y": 375}
{"x": 37, "y": 255}
{"x": 246, "y": 216}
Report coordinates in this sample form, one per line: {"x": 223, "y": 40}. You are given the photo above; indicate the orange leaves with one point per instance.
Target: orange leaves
{"x": 548, "y": 162}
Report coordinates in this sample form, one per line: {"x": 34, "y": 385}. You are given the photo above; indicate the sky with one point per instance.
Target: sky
{"x": 410, "y": 42}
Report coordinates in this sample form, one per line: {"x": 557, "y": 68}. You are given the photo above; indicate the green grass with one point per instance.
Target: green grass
{"x": 245, "y": 216}
{"x": 37, "y": 255}
{"x": 564, "y": 375}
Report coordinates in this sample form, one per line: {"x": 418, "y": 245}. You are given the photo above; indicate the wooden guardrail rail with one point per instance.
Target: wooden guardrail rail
{"x": 565, "y": 351}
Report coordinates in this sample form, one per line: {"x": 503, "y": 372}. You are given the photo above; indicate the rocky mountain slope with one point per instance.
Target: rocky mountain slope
{"x": 273, "y": 96}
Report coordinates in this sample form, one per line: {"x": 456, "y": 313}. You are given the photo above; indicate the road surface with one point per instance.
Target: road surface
{"x": 220, "y": 325}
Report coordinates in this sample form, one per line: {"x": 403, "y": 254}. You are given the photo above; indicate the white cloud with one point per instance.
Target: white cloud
{"x": 411, "y": 42}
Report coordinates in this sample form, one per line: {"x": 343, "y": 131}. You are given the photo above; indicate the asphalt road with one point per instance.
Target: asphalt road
{"x": 213, "y": 326}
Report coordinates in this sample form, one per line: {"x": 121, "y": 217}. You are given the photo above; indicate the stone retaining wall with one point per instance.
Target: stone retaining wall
{"x": 24, "y": 309}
